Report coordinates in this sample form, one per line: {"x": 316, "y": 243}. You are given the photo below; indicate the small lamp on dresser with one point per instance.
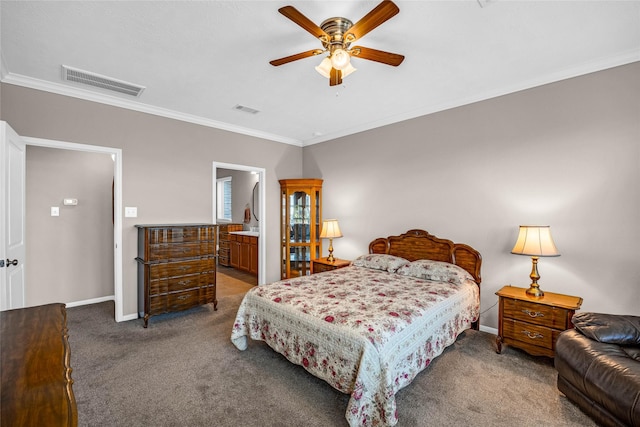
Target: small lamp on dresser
{"x": 330, "y": 230}
{"x": 535, "y": 241}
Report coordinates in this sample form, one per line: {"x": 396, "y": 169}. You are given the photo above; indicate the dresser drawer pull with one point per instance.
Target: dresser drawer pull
{"x": 533, "y": 335}
{"x": 183, "y": 297}
{"x": 183, "y": 283}
{"x": 533, "y": 314}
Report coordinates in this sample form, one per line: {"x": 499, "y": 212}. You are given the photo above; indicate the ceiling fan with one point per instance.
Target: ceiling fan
{"x": 336, "y": 36}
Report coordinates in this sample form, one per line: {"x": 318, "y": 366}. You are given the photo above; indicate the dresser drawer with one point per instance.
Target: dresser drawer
{"x": 181, "y": 234}
{"x": 319, "y": 268}
{"x": 544, "y": 315}
{"x": 181, "y": 283}
{"x": 179, "y": 250}
{"x": 528, "y": 333}
{"x": 174, "y": 302}
{"x": 182, "y": 268}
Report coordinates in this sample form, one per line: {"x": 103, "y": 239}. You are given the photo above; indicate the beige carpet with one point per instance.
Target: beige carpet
{"x": 183, "y": 371}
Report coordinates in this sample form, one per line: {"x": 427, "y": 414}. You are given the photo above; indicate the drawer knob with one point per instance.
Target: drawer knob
{"x": 533, "y": 335}
{"x": 183, "y": 297}
{"x": 533, "y": 314}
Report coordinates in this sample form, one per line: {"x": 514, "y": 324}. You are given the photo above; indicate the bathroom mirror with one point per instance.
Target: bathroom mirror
{"x": 255, "y": 201}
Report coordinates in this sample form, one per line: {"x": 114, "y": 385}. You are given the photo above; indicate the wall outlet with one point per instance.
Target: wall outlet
{"x": 55, "y": 211}
{"x": 130, "y": 212}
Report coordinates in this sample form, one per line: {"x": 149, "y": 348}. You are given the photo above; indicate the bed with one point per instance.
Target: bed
{"x": 370, "y": 328}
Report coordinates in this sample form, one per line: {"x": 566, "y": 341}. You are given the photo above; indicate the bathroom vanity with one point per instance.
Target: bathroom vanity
{"x": 243, "y": 250}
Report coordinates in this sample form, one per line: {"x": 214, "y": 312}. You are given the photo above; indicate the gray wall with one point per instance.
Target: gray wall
{"x": 70, "y": 257}
{"x": 167, "y": 164}
{"x": 565, "y": 155}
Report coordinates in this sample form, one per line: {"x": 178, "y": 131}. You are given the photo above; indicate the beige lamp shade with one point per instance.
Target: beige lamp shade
{"x": 535, "y": 240}
{"x": 330, "y": 229}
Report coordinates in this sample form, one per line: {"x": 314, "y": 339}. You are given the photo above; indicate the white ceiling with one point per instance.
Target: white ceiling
{"x": 197, "y": 60}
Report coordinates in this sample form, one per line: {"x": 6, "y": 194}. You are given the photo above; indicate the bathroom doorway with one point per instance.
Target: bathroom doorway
{"x": 245, "y": 210}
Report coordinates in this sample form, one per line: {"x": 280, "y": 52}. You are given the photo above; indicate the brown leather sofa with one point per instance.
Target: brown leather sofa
{"x": 598, "y": 366}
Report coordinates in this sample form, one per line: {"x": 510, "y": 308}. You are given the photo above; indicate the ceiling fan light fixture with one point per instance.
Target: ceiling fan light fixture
{"x": 348, "y": 70}
{"x": 340, "y": 59}
{"x": 324, "y": 68}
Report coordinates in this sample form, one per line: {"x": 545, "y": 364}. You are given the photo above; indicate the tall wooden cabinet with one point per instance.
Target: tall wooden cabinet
{"x": 301, "y": 219}
{"x": 176, "y": 267}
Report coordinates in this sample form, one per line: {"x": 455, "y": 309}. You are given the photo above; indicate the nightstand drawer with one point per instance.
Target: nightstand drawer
{"x": 540, "y": 314}
{"x": 321, "y": 265}
{"x": 528, "y": 333}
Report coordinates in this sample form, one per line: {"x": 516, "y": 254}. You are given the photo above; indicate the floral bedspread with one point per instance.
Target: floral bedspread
{"x": 366, "y": 332}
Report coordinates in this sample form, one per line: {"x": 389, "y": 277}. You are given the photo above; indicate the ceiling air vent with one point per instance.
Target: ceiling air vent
{"x": 245, "y": 109}
{"x": 92, "y": 79}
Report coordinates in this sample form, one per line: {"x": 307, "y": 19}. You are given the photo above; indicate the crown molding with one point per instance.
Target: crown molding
{"x": 586, "y": 68}
{"x": 60, "y": 89}
{"x": 600, "y": 64}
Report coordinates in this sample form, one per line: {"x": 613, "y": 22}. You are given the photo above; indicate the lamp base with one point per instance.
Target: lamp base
{"x": 330, "y": 258}
{"x": 534, "y": 291}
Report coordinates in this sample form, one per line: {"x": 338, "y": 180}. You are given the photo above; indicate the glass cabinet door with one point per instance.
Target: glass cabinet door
{"x": 300, "y": 226}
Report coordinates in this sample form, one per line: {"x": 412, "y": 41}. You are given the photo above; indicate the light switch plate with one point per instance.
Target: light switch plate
{"x": 130, "y": 212}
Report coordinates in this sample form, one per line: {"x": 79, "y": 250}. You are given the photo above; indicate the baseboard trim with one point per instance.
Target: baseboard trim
{"x": 91, "y": 301}
{"x": 488, "y": 330}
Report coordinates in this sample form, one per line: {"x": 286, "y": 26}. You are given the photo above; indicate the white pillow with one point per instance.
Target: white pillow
{"x": 437, "y": 271}
{"x": 384, "y": 262}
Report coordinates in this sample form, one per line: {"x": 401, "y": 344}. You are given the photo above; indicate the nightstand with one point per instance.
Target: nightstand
{"x": 321, "y": 264}
{"x": 533, "y": 325}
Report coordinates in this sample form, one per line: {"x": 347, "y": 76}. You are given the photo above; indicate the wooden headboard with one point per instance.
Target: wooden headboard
{"x": 418, "y": 244}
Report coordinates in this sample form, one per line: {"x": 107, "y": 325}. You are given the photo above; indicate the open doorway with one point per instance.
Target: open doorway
{"x": 115, "y": 155}
{"x": 243, "y": 215}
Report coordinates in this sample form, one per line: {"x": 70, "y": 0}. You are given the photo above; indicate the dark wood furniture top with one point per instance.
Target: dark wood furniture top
{"x": 36, "y": 372}
{"x": 533, "y": 325}
{"x": 321, "y": 264}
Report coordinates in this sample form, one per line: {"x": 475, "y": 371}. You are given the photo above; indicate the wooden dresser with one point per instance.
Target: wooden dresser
{"x": 36, "y": 372}
{"x": 176, "y": 267}
{"x": 224, "y": 257}
{"x": 533, "y": 325}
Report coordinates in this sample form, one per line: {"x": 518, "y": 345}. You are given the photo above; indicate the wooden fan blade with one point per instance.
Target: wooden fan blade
{"x": 297, "y": 17}
{"x": 295, "y": 57}
{"x": 335, "y": 78}
{"x": 376, "y": 55}
{"x": 381, "y": 13}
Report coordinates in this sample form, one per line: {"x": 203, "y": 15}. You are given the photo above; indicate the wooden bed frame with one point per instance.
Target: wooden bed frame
{"x": 419, "y": 244}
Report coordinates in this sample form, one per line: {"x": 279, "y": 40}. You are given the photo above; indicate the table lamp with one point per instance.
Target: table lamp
{"x": 535, "y": 241}
{"x": 330, "y": 230}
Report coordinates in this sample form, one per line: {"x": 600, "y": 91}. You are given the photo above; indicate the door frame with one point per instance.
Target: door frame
{"x": 262, "y": 241}
{"x": 116, "y": 155}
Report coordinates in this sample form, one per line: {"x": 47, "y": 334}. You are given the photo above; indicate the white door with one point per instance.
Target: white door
{"x": 12, "y": 223}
